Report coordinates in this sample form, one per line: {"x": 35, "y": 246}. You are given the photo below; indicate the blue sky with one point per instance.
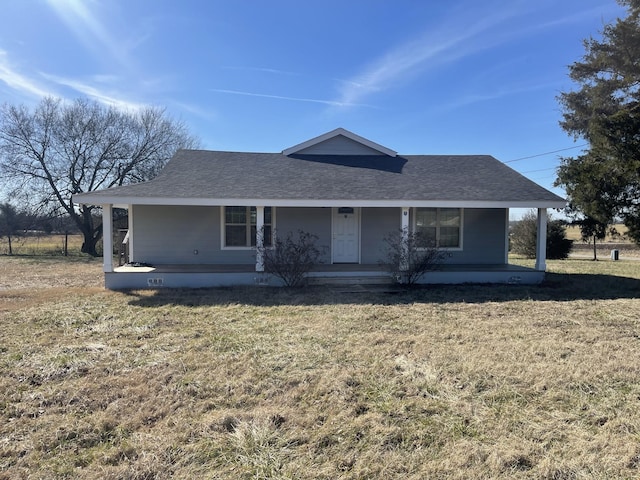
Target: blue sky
{"x": 418, "y": 76}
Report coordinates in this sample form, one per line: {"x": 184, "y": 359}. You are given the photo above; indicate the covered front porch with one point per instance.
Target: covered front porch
{"x": 202, "y": 259}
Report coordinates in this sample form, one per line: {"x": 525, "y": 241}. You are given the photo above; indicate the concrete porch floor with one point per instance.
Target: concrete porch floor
{"x": 319, "y": 270}
{"x": 198, "y": 276}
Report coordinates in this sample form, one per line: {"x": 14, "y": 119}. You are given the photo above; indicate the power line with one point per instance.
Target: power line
{"x": 539, "y": 170}
{"x": 546, "y": 153}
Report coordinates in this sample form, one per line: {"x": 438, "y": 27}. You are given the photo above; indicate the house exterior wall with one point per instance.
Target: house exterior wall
{"x": 339, "y": 145}
{"x": 173, "y": 234}
{"x": 316, "y": 221}
{"x": 169, "y": 234}
{"x": 483, "y": 237}
{"x": 376, "y": 223}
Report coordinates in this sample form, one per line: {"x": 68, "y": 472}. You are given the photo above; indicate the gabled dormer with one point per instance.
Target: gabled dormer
{"x": 339, "y": 142}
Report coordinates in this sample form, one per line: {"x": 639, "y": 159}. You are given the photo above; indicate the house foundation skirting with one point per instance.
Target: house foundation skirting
{"x": 203, "y": 276}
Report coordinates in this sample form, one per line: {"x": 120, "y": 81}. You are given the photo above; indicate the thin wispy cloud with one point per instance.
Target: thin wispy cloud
{"x": 204, "y": 113}
{"x": 43, "y": 84}
{"x": 17, "y": 81}
{"x": 333, "y": 103}
{"x": 470, "y": 99}
{"x": 88, "y": 29}
{"x": 94, "y": 92}
{"x": 457, "y": 38}
{"x": 577, "y": 17}
{"x": 566, "y": 21}
{"x": 274, "y": 71}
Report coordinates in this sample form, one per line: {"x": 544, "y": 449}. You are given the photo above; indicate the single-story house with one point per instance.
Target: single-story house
{"x": 195, "y": 224}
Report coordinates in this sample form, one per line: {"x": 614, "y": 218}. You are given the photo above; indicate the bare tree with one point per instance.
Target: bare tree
{"x": 59, "y": 149}
{"x": 11, "y": 223}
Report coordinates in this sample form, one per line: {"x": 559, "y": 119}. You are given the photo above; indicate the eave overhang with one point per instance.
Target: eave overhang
{"x": 121, "y": 201}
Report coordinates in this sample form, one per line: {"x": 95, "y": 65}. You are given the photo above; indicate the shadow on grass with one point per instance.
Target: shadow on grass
{"x": 557, "y": 287}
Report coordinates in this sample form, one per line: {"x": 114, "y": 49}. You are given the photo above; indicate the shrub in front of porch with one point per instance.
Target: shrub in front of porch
{"x": 523, "y": 237}
{"x": 291, "y": 258}
{"x": 408, "y": 256}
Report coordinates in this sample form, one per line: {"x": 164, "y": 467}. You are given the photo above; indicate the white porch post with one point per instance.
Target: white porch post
{"x": 130, "y": 232}
{"x": 541, "y": 240}
{"x": 259, "y": 238}
{"x": 404, "y": 225}
{"x": 107, "y": 238}
{"x": 506, "y": 237}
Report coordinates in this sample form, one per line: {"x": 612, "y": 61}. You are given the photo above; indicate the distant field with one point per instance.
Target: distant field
{"x": 620, "y": 242}
{"x": 41, "y": 245}
{"x": 573, "y": 233}
{"x": 260, "y": 383}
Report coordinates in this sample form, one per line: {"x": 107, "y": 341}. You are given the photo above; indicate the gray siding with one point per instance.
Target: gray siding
{"x": 339, "y": 145}
{"x": 312, "y": 220}
{"x": 483, "y": 237}
{"x": 172, "y": 234}
{"x": 375, "y": 224}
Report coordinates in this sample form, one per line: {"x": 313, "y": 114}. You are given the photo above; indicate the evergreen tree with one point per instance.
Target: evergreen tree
{"x": 604, "y": 182}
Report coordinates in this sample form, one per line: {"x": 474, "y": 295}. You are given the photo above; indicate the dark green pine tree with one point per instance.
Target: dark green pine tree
{"x": 603, "y": 184}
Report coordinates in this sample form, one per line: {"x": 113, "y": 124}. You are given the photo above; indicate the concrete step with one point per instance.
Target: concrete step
{"x": 351, "y": 280}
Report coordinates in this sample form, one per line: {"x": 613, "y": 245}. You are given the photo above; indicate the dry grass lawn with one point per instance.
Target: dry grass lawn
{"x": 42, "y": 244}
{"x": 445, "y": 382}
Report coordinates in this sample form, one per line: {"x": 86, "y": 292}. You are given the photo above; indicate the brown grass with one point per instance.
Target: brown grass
{"x": 24, "y": 280}
{"x": 445, "y": 382}
{"x": 573, "y": 233}
{"x": 41, "y": 244}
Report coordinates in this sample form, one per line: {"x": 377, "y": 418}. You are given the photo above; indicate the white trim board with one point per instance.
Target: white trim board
{"x": 130, "y": 200}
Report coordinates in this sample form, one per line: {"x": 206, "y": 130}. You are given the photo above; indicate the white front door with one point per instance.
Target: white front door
{"x": 345, "y": 247}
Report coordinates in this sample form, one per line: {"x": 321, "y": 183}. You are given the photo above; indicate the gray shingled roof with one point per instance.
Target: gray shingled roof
{"x": 235, "y": 175}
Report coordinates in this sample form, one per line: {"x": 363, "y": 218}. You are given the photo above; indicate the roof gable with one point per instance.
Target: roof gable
{"x": 339, "y": 142}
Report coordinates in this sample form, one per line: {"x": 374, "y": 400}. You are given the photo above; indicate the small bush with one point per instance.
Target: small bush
{"x": 290, "y": 258}
{"x": 409, "y": 261}
{"x": 524, "y": 237}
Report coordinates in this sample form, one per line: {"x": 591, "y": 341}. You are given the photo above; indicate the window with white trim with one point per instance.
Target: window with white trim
{"x": 439, "y": 227}
{"x": 240, "y": 226}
